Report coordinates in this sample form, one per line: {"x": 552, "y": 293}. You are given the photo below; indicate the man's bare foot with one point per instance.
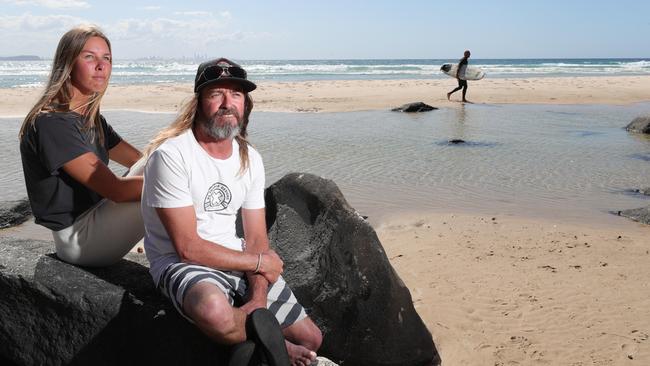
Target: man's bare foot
{"x": 448, "y": 96}
{"x": 467, "y": 101}
{"x": 299, "y": 355}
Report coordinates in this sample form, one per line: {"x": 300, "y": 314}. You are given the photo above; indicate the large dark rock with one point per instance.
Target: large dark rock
{"x": 639, "y": 124}
{"x": 414, "y": 107}
{"x": 52, "y": 313}
{"x": 14, "y": 213}
{"x": 641, "y": 215}
{"x": 339, "y": 271}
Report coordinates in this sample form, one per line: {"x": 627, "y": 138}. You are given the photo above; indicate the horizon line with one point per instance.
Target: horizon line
{"x": 17, "y": 58}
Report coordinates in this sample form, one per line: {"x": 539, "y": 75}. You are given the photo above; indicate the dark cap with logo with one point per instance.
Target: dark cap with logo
{"x": 221, "y": 70}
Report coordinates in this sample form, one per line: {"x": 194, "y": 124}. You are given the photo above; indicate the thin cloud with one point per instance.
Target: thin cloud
{"x": 29, "y": 34}
{"x": 177, "y": 36}
{"x": 194, "y": 13}
{"x": 28, "y": 23}
{"x": 173, "y": 36}
{"x": 151, "y": 7}
{"x": 53, "y": 4}
{"x": 166, "y": 29}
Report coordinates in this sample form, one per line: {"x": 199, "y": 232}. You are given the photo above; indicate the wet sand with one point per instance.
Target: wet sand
{"x": 359, "y": 95}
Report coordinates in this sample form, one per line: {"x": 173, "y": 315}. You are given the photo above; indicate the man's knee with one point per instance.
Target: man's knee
{"x": 305, "y": 333}
{"x": 315, "y": 338}
{"x": 209, "y": 308}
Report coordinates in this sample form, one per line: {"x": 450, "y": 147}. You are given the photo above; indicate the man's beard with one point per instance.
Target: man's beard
{"x": 222, "y": 131}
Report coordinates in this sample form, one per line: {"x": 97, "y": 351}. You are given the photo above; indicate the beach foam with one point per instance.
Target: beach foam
{"x": 128, "y": 72}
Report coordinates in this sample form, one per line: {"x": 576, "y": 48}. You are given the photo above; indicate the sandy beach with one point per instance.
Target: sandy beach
{"x": 498, "y": 290}
{"x": 359, "y": 95}
{"x": 492, "y": 289}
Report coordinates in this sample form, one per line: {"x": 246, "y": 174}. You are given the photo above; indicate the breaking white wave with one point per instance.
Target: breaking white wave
{"x": 21, "y": 73}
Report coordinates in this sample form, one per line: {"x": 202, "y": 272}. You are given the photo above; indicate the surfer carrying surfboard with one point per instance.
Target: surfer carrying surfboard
{"x": 460, "y": 76}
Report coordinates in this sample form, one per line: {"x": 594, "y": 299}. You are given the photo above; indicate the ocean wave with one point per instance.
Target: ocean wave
{"x": 16, "y": 73}
{"x": 595, "y": 67}
{"x": 29, "y": 85}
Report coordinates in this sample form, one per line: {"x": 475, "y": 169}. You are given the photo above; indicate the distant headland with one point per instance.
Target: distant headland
{"x": 20, "y": 58}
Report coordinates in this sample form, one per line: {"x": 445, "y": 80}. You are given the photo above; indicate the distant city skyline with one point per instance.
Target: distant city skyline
{"x": 271, "y": 30}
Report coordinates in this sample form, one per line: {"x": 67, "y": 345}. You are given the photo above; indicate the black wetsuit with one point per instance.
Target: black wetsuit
{"x": 463, "y": 63}
{"x": 462, "y": 84}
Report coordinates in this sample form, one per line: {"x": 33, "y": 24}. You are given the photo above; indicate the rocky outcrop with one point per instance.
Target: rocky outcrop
{"x": 14, "y": 213}
{"x": 53, "y": 313}
{"x": 641, "y": 215}
{"x": 640, "y": 125}
{"x": 339, "y": 271}
{"x": 414, "y": 107}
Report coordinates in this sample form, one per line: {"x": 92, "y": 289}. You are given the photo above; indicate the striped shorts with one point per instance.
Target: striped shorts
{"x": 178, "y": 278}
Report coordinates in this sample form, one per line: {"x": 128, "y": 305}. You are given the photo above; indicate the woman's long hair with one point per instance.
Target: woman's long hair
{"x": 186, "y": 120}
{"x": 58, "y": 92}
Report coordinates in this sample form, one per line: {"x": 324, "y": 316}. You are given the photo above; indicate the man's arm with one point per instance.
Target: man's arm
{"x": 257, "y": 241}
{"x": 180, "y": 223}
{"x": 460, "y": 64}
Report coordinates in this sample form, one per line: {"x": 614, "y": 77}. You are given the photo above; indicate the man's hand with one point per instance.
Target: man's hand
{"x": 271, "y": 266}
{"x": 254, "y": 304}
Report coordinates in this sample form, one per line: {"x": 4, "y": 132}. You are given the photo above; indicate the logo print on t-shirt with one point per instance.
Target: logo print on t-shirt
{"x": 218, "y": 198}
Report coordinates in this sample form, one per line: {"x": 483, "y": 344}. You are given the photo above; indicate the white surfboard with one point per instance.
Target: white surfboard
{"x": 471, "y": 73}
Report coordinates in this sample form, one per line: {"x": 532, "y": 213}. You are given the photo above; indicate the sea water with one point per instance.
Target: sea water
{"x": 152, "y": 71}
{"x": 570, "y": 163}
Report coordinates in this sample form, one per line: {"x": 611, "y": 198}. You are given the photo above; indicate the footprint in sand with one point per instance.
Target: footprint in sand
{"x": 629, "y": 350}
{"x": 639, "y": 336}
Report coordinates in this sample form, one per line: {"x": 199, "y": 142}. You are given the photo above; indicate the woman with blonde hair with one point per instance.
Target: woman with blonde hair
{"x": 65, "y": 146}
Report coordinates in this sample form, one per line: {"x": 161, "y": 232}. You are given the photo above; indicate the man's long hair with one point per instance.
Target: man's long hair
{"x": 58, "y": 92}
{"x": 187, "y": 119}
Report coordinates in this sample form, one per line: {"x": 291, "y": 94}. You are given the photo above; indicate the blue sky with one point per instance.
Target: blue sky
{"x": 259, "y": 29}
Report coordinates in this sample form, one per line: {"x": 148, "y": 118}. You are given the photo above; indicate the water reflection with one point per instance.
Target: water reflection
{"x": 563, "y": 161}
{"x": 459, "y": 126}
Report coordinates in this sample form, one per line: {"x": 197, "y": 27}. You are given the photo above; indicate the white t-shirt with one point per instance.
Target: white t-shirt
{"x": 181, "y": 173}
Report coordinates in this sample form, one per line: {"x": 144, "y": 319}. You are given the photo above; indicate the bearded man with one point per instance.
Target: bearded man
{"x": 200, "y": 172}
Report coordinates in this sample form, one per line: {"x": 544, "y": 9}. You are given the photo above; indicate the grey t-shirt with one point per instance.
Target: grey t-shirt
{"x": 57, "y": 138}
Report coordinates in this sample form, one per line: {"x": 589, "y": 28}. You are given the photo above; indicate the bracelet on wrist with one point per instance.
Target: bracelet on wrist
{"x": 259, "y": 263}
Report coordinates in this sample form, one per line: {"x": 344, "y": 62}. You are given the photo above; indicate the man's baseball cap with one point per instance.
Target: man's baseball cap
{"x": 219, "y": 71}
